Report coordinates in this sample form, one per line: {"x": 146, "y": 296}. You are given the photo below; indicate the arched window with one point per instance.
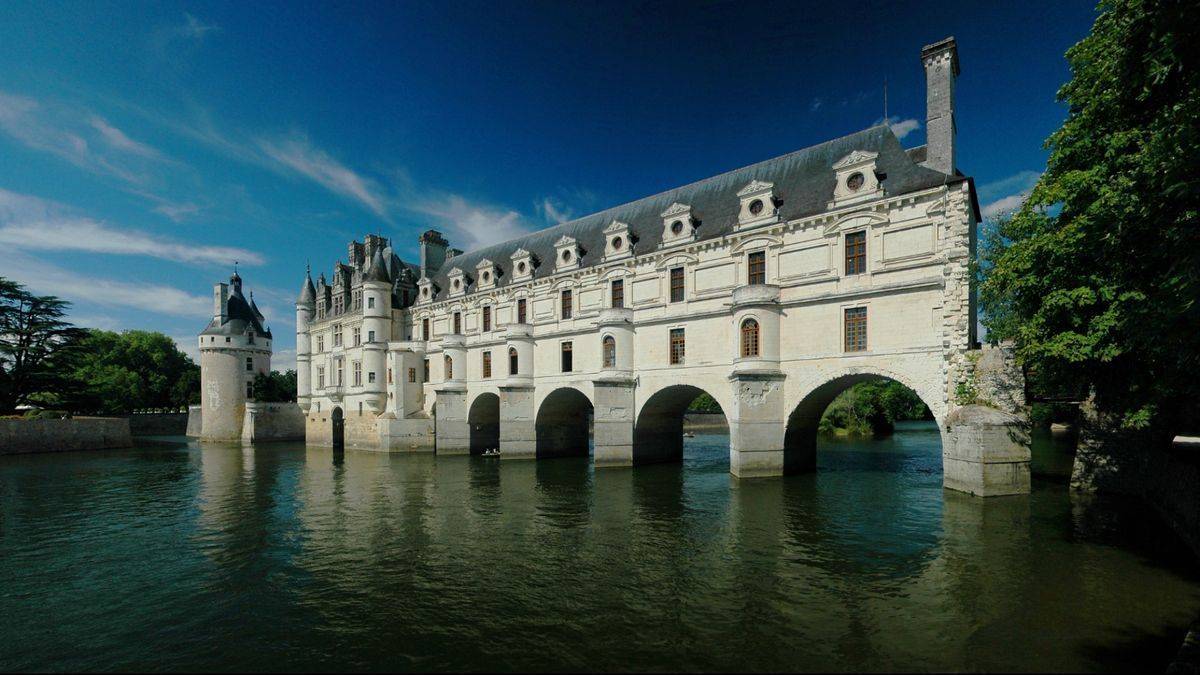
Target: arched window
{"x": 449, "y": 368}
{"x": 512, "y": 361}
{"x": 749, "y": 337}
{"x": 609, "y": 349}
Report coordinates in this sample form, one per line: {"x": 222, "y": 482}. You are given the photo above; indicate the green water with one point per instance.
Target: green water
{"x": 177, "y": 557}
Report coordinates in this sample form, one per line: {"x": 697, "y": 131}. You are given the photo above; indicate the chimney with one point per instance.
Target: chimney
{"x": 433, "y": 252}
{"x": 220, "y": 301}
{"x": 941, "y": 67}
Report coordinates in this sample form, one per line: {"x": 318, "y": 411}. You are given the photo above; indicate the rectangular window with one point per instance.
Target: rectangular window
{"x": 677, "y": 284}
{"x": 425, "y": 329}
{"x": 371, "y": 376}
{"x": 487, "y": 365}
{"x": 249, "y": 364}
{"x": 337, "y": 336}
{"x": 412, "y": 374}
{"x": 425, "y": 372}
{"x": 618, "y": 293}
{"x": 458, "y": 323}
{"x": 320, "y": 377}
{"x": 320, "y": 343}
{"x": 567, "y": 361}
{"x": 358, "y": 373}
{"x": 566, "y": 304}
{"x": 371, "y": 302}
{"x": 370, "y": 336}
{"x": 856, "y": 329}
{"x": 521, "y": 310}
{"x": 389, "y": 375}
{"x": 676, "y": 346}
{"x": 487, "y": 319}
{"x": 356, "y": 332}
{"x": 856, "y": 253}
{"x": 756, "y": 266}
{"x": 340, "y": 372}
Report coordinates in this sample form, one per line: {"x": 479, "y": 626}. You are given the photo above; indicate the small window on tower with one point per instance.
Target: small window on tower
{"x": 249, "y": 364}
{"x": 370, "y": 302}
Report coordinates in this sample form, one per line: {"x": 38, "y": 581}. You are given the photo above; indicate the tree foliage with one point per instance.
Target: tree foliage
{"x": 275, "y": 387}
{"x": 1096, "y": 277}
{"x": 132, "y": 370}
{"x": 36, "y": 347}
{"x": 873, "y": 408}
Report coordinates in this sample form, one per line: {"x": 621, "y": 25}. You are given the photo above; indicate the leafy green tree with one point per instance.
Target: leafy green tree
{"x": 36, "y": 346}
{"x": 1096, "y": 278}
{"x": 873, "y": 407}
{"x": 275, "y": 387}
{"x": 121, "y": 372}
{"x": 705, "y": 404}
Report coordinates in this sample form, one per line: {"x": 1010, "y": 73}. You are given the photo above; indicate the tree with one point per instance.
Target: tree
{"x": 275, "y": 387}
{"x": 873, "y": 407}
{"x": 118, "y": 373}
{"x": 1096, "y": 277}
{"x": 36, "y": 346}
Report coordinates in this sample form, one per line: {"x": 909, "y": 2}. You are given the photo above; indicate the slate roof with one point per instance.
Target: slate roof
{"x": 239, "y": 314}
{"x": 804, "y": 181}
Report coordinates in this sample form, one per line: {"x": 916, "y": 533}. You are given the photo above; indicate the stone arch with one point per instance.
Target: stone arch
{"x": 483, "y": 418}
{"x": 658, "y": 431}
{"x": 562, "y": 424}
{"x": 338, "y": 433}
{"x": 804, "y": 416}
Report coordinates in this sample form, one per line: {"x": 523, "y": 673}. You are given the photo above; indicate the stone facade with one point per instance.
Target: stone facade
{"x": 234, "y": 348}
{"x": 772, "y": 288}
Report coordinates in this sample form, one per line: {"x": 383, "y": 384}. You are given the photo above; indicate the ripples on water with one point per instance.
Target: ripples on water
{"x": 279, "y": 558}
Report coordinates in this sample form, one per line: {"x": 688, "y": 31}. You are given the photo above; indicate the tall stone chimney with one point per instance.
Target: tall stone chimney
{"x": 220, "y": 301}
{"x": 433, "y": 252}
{"x": 941, "y": 67}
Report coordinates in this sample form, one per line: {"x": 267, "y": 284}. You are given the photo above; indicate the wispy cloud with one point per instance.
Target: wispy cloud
{"x": 900, "y": 127}
{"x": 472, "y": 225}
{"x": 118, "y": 140}
{"x": 195, "y": 28}
{"x": 554, "y": 211}
{"x": 1007, "y": 194}
{"x": 31, "y": 223}
{"x": 297, "y": 154}
{"x": 44, "y": 278}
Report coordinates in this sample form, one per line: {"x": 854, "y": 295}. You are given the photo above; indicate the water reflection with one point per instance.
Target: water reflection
{"x": 281, "y": 557}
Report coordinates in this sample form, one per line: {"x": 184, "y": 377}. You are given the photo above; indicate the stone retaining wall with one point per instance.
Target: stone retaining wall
{"x": 78, "y": 433}
{"x": 264, "y": 422}
{"x": 705, "y": 422}
{"x": 158, "y": 424}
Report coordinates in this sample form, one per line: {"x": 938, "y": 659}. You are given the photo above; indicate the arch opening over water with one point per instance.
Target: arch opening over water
{"x": 658, "y": 434}
{"x": 338, "y": 432}
{"x": 484, "y": 421}
{"x": 563, "y": 426}
{"x": 803, "y": 433}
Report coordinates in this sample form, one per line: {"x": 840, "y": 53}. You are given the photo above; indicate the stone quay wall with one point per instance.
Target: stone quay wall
{"x": 19, "y": 436}
{"x": 264, "y": 422}
{"x": 158, "y": 424}
{"x": 705, "y": 422}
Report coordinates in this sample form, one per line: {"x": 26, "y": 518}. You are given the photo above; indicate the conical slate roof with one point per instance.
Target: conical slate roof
{"x": 377, "y": 270}
{"x": 308, "y": 293}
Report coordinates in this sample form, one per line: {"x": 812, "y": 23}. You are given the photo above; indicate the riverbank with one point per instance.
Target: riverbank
{"x": 27, "y": 436}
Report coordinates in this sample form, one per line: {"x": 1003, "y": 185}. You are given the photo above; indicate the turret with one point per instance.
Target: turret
{"x": 306, "y": 305}
{"x": 376, "y": 326}
{"x": 234, "y": 348}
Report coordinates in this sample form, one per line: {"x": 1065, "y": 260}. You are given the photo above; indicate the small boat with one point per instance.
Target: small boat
{"x": 689, "y": 434}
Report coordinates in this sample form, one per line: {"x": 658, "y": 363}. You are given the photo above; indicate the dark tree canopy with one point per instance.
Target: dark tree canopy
{"x": 132, "y": 370}
{"x": 275, "y": 387}
{"x": 1096, "y": 278}
{"x": 36, "y": 347}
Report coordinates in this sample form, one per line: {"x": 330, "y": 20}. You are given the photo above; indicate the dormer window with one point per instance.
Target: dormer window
{"x": 427, "y": 290}
{"x": 857, "y": 179}
{"x": 458, "y": 281}
{"x": 758, "y": 204}
{"x": 486, "y": 274}
{"x": 618, "y": 241}
{"x": 678, "y": 225}
{"x": 568, "y": 253}
{"x": 523, "y": 263}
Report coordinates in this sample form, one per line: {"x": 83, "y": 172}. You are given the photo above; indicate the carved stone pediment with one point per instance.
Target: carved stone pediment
{"x": 856, "y": 157}
{"x": 755, "y": 187}
{"x": 676, "y": 209}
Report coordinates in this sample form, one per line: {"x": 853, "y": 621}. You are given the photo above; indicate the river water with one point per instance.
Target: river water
{"x": 181, "y": 557}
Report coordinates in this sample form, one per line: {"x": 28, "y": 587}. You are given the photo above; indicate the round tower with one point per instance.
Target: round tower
{"x": 376, "y": 330}
{"x": 306, "y": 305}
{"x": 234, "y": 348}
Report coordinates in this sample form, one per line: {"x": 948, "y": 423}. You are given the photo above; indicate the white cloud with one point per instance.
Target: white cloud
{"x": 554, "y": 211}
{"x": 298, "y": 155}
{"x": 901, "y": 127}
{"x": 283, "y": 360}
{"x": 120, "y": 141}
{"x": 472, "y": 225}
{"x": 31, "y": 223}
{"x": 1008, "y": 194}
{"x": 44, "y": 278}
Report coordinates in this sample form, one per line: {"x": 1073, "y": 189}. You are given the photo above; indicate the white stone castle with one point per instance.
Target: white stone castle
{"x": 772, "y": 288}
{"x": 234, "y": 348}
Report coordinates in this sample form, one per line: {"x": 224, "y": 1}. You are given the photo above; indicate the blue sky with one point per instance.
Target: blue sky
{"x": 144, "y": 147}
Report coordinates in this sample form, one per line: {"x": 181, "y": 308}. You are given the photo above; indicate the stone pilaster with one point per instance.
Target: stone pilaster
{"x": 985, "y": 452}
{"x": 612, "y": 426}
